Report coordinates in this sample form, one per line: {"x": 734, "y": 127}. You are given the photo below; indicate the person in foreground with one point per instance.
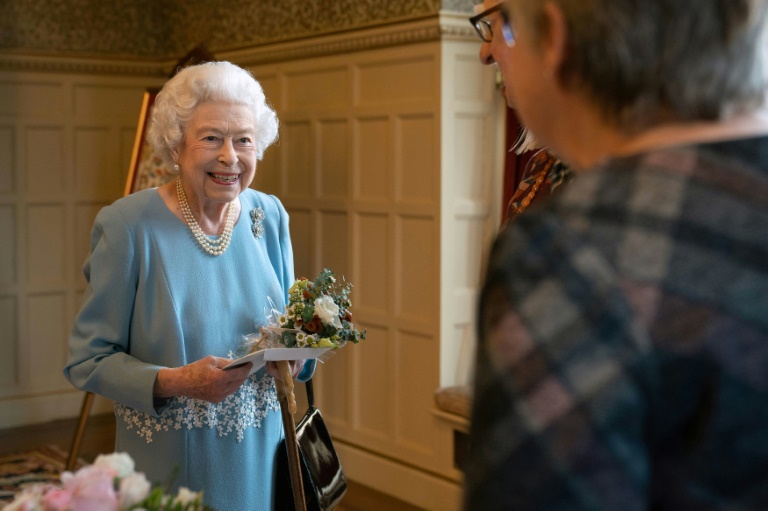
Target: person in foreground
{"x": 623, "y": 337}
{"x": 176, "y": 276}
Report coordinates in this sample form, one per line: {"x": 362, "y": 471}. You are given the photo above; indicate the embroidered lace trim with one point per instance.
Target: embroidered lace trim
{"x": 243, "y": 409}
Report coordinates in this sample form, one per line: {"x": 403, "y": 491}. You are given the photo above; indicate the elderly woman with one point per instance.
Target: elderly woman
{"x": 623, "y": 338}
{"x": 176, "y": 276}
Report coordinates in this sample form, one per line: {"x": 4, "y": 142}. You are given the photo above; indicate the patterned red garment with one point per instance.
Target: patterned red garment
{"x": 543, "y": 174}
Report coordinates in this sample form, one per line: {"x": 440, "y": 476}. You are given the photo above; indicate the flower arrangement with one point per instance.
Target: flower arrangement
{"x": 318, "y": 314}
{"x": 110, "y": 484}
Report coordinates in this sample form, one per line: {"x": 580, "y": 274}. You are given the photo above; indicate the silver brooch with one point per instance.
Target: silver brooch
{"x": 257, "y": 217}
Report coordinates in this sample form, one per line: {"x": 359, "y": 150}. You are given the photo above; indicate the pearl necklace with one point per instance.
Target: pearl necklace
{"x": 214, "y": 247}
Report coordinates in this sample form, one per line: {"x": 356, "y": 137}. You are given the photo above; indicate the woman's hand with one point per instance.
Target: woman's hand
{"x": 203, "y": 380}
{"x": 296, "y": 366}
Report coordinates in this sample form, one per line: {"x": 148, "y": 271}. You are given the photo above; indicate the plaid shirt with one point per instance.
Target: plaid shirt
{"x": 623, "y": 353}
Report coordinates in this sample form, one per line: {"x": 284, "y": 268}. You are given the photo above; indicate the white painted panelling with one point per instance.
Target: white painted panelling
{"x": 8, "y": 161}
{"x": 8, "y": 343}
{"x": 65, "y": 146}
{"x": 469, "y": 136}
{"x": 34, "y": 409}
{"x": 95, "y": 151}
{"x": 472, "y": 158}
{"x": 32, "y": 99}
{"x": 420, "y": 488}
{"x": 85, "y": 214}
{"x": 468, "y": 264}
{"x": 45, "y": 251}
{"x": 99, "y": 102}
{"x": 44, "y": 161}
{"x": 469, "y": 81}
{"x": 47, "y": 327}
{"x": 7, "y": 247}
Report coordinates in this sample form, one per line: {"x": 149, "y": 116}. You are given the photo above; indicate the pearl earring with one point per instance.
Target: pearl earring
{"x": 176, "y": 167}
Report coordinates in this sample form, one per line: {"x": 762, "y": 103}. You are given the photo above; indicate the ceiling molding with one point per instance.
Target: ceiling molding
{"x": 446, "y": 26}
{"x": 19, "y": 61}
{"x": 451, "y": 26}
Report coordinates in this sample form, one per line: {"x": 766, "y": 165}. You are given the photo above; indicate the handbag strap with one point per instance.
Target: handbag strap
{"x": 310, "y": 394}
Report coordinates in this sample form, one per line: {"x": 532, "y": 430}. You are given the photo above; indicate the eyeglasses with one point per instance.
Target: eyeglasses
{"x": 483, "y": 26}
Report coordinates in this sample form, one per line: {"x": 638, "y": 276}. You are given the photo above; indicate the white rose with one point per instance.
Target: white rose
{"x": 186, "y": 497}
{"x": 120, "y": 462}
{"x": 327, "y": 310}
{"x": 133, "y": 489}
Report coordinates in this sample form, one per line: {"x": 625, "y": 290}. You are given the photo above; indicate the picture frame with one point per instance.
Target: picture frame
{"x": 147, "y": 169}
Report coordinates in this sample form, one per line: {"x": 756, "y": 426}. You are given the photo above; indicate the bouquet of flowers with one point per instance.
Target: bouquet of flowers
{"x": 110, "y": 484}
{"x": 318, "y": 315}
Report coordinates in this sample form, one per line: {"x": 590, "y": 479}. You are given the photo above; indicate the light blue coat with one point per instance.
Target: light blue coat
{"x": 155, "y": 299}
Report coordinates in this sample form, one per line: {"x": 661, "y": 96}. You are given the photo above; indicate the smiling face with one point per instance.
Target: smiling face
{"x": 217, "y": 154}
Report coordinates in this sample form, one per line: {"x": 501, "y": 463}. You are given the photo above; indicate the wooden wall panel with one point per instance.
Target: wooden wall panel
{"x": 8, "y": 276}
{"x": 374, "y": 278}
{"x": 333, "y": 240}
{"x": 394, "y": 152}
{"x": 47, "y": 328}
{"x": 8, "y": 161}
{"x": 65, "y": 146}
{"x": 45, "y": 247}
{"x": 44, "y": 161}
{"x": 373, "y": 160}
{"x": 9, "y": 367}
{"x": 300, "y": 159}
{"x": 333, "y": 166}
{"x": 416, "y": 163}
{"x": 33, "y": 98}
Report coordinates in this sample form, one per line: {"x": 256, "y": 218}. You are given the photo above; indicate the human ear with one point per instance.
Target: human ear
{"x": 555, "y": 38}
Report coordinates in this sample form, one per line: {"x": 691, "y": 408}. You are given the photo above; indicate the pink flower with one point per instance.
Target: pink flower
{"x": 57, "y": 500}
{"x": 92, "y": 488}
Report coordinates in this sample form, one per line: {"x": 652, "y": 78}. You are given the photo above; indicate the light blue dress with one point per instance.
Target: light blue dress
{"x": 155, "y": 299}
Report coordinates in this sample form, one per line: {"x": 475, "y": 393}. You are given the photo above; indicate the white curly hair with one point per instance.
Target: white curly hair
{"x": 211, "y": 81}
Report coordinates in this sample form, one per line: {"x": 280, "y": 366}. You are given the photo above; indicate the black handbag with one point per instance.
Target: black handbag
{"x": 322, "y": 476}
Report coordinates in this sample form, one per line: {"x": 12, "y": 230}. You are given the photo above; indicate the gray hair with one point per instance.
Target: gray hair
{"x": 649, "y": 61}
{"x": 212, "y": 81}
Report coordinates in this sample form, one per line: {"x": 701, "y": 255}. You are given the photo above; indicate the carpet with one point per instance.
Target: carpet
{"x": 41, "y": 465}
